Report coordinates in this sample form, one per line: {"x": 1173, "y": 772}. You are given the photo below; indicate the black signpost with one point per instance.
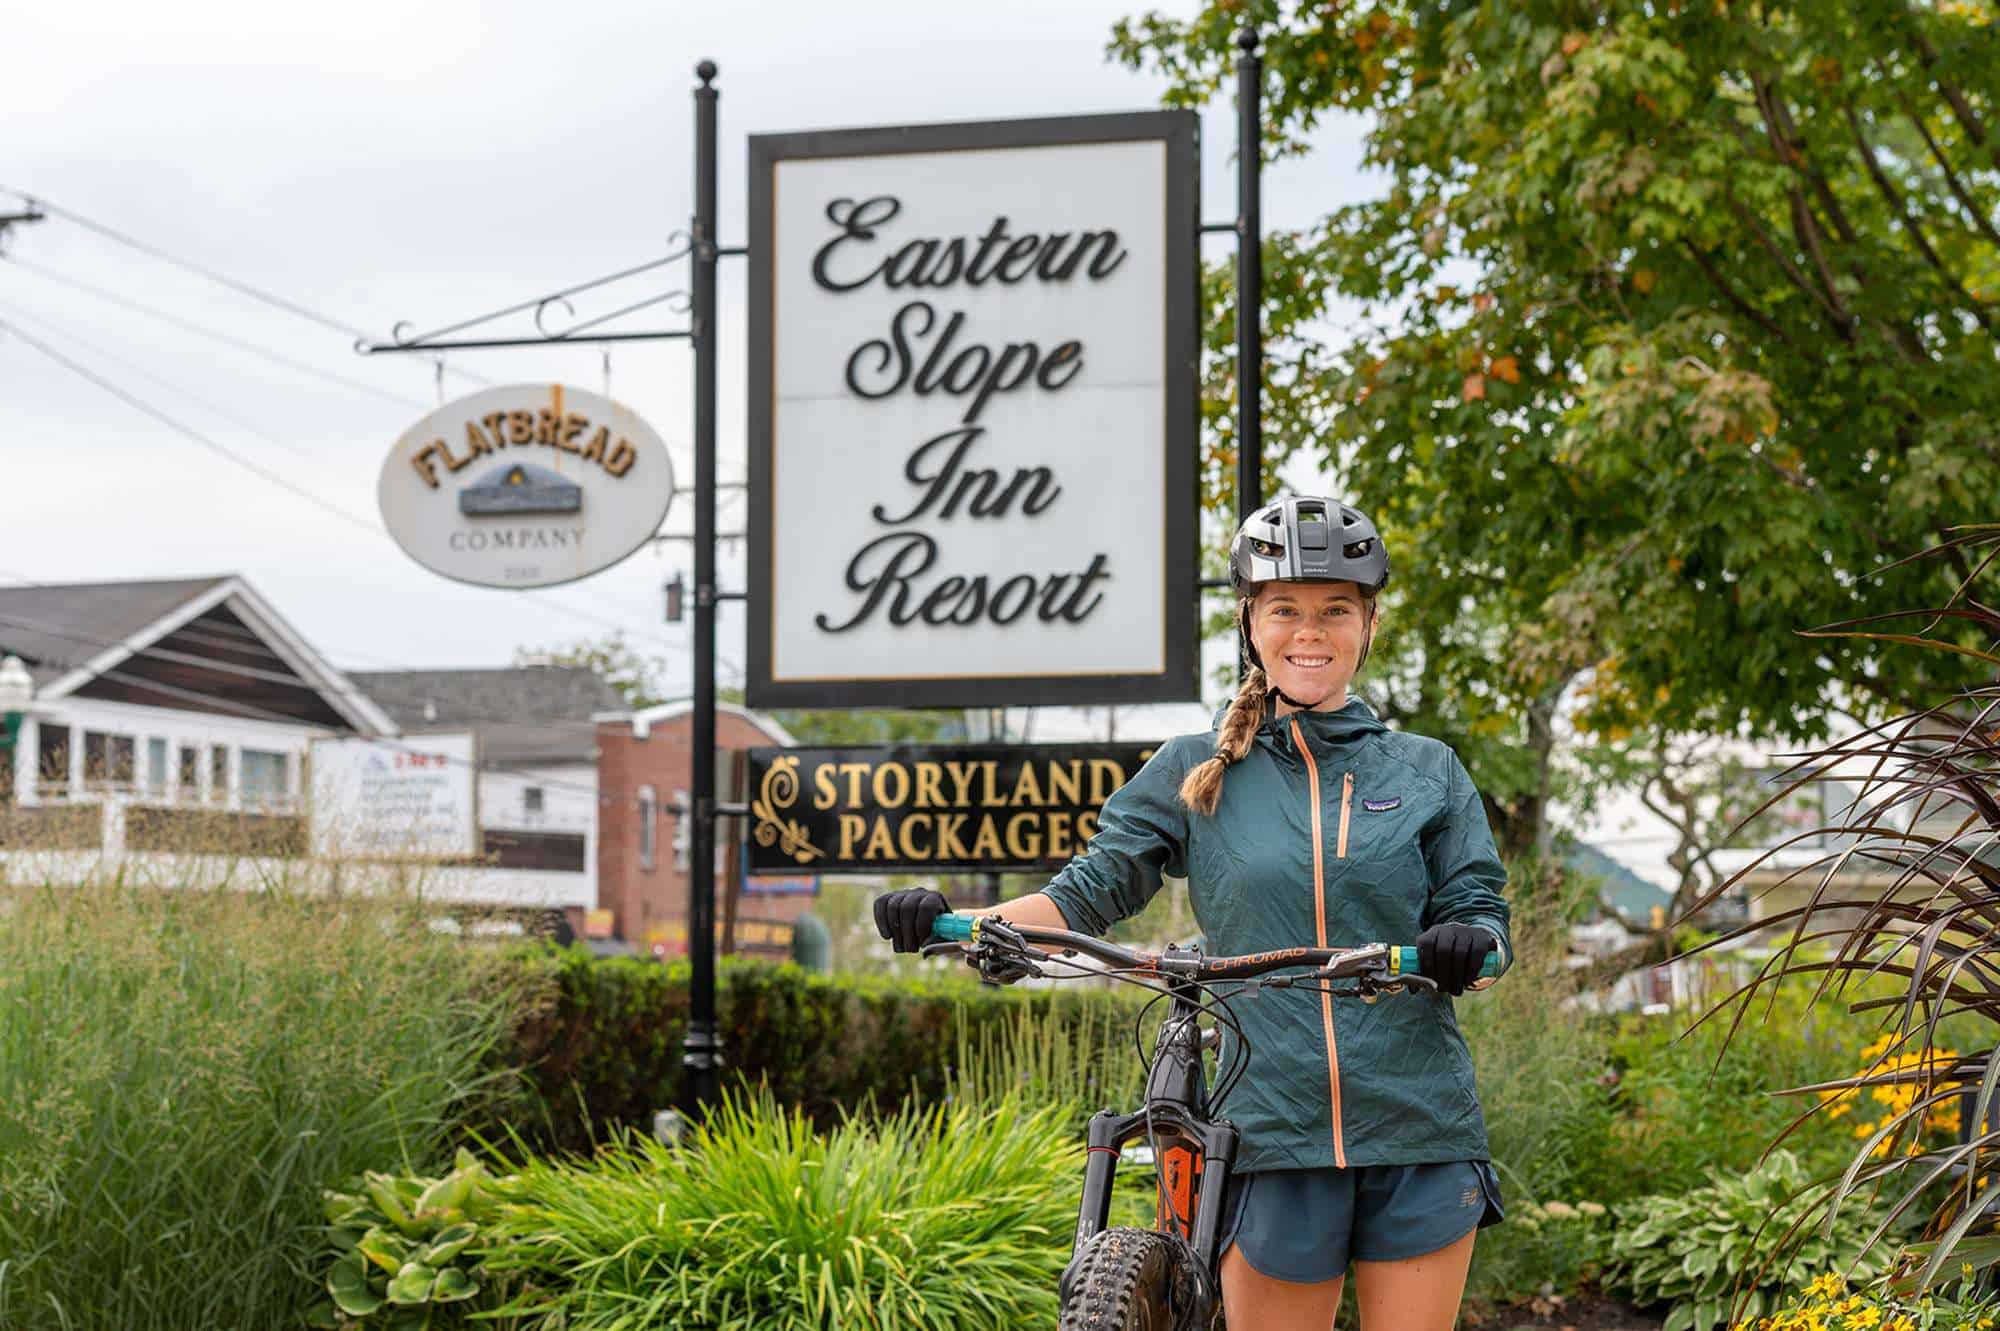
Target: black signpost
{"x": 703, "y": 1053}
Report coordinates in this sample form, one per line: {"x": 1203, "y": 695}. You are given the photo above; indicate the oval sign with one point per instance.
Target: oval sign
{"x": 528, "y": 485}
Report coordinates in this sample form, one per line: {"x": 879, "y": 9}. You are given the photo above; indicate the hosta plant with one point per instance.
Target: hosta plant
{"x": 1732, "y": 1250}
{"x": 408, "y": 1248}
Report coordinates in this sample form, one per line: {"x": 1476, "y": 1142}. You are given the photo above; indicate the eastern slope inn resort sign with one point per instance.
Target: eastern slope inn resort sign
{"x": 525, "y": 486}
{"x": 972, "y": 413}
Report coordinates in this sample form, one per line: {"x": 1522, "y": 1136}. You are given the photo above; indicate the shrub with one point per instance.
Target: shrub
{"x": 182, "y": 1073}
{"x": 1734, "y": 1247}
{"x": 605, "y": 1053}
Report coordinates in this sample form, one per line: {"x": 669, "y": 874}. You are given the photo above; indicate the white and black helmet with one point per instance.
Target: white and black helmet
{"x": 1307, "y": 538}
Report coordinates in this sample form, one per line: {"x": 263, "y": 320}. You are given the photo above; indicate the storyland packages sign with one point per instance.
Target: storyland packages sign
{"x": 972, "y": 413}
{"x": 911, "y": 808}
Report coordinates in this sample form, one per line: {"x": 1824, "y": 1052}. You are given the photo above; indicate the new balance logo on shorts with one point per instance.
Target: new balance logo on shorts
{"x": 1470, "y": 1197}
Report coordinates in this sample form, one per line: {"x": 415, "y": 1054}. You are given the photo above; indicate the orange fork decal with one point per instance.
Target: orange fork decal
{"x": 1319, "y": 916}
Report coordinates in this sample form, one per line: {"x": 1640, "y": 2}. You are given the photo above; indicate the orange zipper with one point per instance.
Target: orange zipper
{"x": 1346, "y": 806}
{"x": 1319, "y": 916}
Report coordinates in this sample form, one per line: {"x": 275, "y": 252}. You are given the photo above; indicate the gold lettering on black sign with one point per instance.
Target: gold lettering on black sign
{"x": 985, "y": 807}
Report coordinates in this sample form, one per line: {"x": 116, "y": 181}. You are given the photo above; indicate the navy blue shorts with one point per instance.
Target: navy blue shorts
{"x": 1305, "y": 1225}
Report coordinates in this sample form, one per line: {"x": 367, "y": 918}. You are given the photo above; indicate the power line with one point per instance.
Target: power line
{"x": 222, "y": 279}
{"x": 171, "y": 386}
{"x": 186, "y": 431}
{"x": 227, "y": 339}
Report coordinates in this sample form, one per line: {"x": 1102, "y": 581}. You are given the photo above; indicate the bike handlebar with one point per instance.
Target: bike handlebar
{"x": 1333, "y": 962}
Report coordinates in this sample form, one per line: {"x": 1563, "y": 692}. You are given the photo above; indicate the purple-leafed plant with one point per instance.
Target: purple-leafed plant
{"x": 1903, "y": 917}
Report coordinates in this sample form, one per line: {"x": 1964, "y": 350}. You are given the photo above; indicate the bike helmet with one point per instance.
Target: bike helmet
{"x": 1307, "y": 538}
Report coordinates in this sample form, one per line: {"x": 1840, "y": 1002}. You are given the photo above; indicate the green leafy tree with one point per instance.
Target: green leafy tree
{"x": 1677, "y": 336}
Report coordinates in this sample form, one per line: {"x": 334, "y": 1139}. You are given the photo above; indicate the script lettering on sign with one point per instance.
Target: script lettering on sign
{"x": 964, "y": 427}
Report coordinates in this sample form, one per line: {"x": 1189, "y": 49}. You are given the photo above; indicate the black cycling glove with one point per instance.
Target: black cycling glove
{"x": 1452, "y": 954}
{"x": 905, "y": 918}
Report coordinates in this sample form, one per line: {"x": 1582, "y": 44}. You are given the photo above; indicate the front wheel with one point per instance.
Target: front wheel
{"x": 1128, "y": 1280}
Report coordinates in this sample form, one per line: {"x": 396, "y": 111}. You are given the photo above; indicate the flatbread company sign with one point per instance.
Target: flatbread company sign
{"x": 527, "y": 485}
{"x": 972, "y": 413}
{"x": 914, "y": 809}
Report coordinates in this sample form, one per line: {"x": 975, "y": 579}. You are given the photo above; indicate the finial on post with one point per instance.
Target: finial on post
{"x": 705, "y": 71}
{"x": 1246, "y": 40}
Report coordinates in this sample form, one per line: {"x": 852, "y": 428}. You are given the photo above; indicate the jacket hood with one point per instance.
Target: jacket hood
{"x": 1350, "y": 722}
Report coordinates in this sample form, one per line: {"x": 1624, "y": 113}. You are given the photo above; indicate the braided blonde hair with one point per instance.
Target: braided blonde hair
{"x": 1202, "y": 787}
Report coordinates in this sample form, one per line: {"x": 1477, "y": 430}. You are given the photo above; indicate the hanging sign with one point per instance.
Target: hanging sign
{"x": 909, "y": 808}
{"x": 972, "y": 413}
{"x": 527, "y": 485}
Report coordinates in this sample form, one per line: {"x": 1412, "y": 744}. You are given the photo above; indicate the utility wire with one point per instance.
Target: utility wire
{"x": 227, "y": 339}
{"x": 186, "y": 431}
{"x": 222, "y": 279}
{"x": 170, "y": 385}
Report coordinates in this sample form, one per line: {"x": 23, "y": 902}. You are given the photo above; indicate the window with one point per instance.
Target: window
{"x": 190, "y": 772}
{"x": 218, "y": 774}
{"x": 263, "y": 777}
{"x": 531, "y": 799}
{"x": 52, "y": 758}
{"x": 108, "y": 760}
{"x": 156, "y": 765}
{"x": 649, "y": 828}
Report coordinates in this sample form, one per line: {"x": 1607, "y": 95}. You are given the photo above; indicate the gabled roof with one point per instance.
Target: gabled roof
{"x": 201, "y": 644}
{"x": 522, "y": 714}
{"x": 52, "y": 626}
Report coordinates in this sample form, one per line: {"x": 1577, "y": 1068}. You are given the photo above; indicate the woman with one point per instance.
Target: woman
{"x": 1302, "y": 821}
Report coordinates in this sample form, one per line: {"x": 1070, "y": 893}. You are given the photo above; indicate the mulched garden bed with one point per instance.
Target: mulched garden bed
{"x": 1578, "y": 1312}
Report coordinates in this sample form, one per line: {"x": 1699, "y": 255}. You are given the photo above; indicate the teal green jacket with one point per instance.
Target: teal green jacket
{"x": 1333, "y": 831}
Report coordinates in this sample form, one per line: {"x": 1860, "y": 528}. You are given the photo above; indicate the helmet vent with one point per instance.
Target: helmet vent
{"x": 1358, "y": 549}
{"x": 1266, "y": 549}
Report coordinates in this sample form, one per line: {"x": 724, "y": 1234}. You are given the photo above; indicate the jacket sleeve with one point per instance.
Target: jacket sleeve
{"x": 1466, "y": 875}
{"x": 1141, "y": 834}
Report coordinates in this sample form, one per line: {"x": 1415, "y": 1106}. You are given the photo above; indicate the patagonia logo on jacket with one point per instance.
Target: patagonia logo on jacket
{"x": 1383, "y": 806}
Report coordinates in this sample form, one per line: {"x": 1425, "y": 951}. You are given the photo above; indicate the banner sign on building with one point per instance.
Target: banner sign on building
{"x": 408, "y": 798}
{"x": 916, "y": 808}
{"x": 527, "y": 485}
{"x": 972, "y": 413}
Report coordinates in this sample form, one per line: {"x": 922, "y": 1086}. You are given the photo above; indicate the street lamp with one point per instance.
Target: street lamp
{"x": 17, "y": 690}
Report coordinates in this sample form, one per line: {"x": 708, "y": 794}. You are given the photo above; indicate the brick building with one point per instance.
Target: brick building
{"x": 642, "y": 876}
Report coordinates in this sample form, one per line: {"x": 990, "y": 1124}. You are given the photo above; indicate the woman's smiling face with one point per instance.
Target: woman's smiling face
{"x": 1310, "y": 636}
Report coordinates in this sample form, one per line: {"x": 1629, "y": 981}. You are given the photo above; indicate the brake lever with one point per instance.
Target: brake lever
{"x": 940, "y": 949}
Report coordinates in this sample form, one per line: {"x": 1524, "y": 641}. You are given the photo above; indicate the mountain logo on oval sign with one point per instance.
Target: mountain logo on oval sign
{"x": 515, "y": 488}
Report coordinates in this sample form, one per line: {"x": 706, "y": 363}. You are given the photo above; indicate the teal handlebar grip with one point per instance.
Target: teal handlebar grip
{"x": 953, "y": 928}
{"x": 1403, "y": 961}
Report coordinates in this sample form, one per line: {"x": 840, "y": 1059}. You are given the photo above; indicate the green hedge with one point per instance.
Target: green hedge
{"x": 606, "y": 1051}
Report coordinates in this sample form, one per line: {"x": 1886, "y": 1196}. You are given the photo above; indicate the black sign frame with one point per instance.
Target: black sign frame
{"x": 1179, "y": 680}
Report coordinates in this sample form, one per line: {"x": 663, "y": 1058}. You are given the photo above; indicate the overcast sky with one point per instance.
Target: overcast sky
{"x": 376, "y": 162}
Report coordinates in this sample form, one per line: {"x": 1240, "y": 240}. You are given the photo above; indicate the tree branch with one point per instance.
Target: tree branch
{"x": 1736, "y": 302}
{"x": 1951, "y": 178}
{"x": 1842, "y": 326}
{"x": 1968, "y": 119}
{"x": 1901, "y": 209}
{"x": 1791, "y": 149}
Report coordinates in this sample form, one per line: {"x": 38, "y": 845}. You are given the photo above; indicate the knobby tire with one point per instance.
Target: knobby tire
{"x": 1124, "y": 1281}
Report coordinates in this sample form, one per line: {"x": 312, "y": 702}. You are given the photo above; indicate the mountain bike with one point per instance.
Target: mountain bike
{"x": 1168, "y": 1278}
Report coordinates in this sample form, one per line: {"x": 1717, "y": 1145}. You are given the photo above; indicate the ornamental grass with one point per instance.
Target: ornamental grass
{"x": 183, "y": 1072}
{"x": 954, "y": 1217}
